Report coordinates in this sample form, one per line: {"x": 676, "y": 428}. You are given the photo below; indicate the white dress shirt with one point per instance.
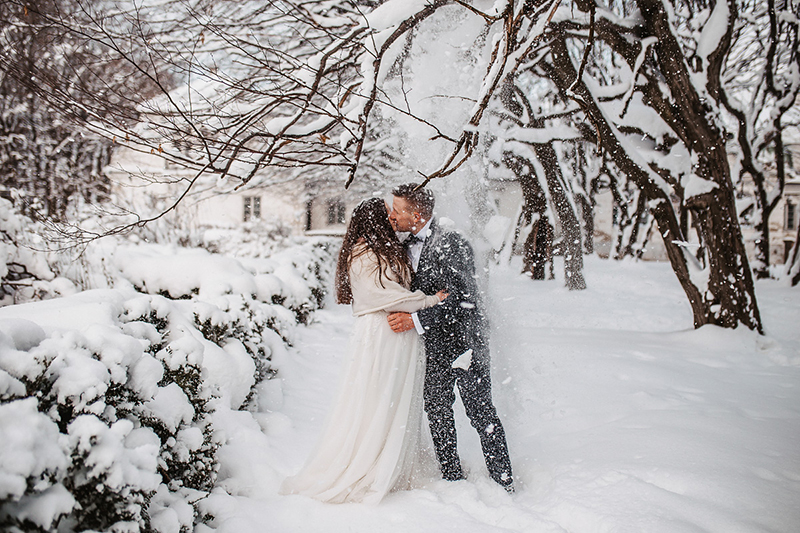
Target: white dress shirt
{"x": 414, "y": 253}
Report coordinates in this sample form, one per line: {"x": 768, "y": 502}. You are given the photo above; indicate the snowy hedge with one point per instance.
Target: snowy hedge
{"x": 108, "y": 398}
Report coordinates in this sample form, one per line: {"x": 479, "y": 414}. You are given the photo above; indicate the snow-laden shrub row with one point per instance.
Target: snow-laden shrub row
{"x": 41, "y": 261}
{"x": 292, "y": 278}
{"x": 108, "y": 398}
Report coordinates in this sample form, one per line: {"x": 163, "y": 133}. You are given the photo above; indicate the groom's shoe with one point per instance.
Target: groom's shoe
{"x": 451, "y": 469}
{"x": 507, "y": 482}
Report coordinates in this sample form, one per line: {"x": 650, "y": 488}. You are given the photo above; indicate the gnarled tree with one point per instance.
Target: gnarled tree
{"x": 647, "y": 76}
{"x": 530, "y": 153}
{"x": 761, "y": 84}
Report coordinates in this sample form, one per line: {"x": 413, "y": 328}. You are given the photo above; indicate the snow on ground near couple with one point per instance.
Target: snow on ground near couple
{"x": 620, "y": 417}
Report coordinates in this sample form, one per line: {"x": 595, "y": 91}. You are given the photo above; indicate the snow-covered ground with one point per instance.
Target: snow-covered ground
{"x": 620, "y": 417}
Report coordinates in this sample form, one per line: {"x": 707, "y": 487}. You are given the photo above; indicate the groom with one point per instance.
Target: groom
{"x": 454, "y": 333}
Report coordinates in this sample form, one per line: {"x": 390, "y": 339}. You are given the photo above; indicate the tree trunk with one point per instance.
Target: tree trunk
{"x": 761, "y": 258}
{"x": 570, "y": 226}
{"x": 793, "y": 261}
{"x": 633, "y": 242}
{"x": 536, "y": 250}
{"x": 729, "y": 297}
{"x": 588, "y": 224}
{"x": 583, "y": 199}
{"x": 627, "y": 223}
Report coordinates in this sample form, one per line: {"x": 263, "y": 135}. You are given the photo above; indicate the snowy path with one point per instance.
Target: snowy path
{"x": 620, "y": 417}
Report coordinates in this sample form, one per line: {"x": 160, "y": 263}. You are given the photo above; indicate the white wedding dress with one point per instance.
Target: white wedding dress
{"x": 370, "y": 443}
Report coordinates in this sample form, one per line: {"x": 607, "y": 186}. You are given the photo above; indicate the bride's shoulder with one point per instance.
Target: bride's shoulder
{"x": 362, "y": 255}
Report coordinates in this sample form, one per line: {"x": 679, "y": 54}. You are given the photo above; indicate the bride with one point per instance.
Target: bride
{"x": 371, "y": 437}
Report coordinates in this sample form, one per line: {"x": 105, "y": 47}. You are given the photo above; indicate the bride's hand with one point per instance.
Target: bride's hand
{"x": 442, "y": 295}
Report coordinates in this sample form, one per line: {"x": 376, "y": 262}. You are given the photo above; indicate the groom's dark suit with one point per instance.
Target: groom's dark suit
{"x": 452, "y": 328}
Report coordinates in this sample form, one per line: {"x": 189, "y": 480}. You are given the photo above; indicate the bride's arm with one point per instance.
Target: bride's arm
{"x": 371, "y": 294}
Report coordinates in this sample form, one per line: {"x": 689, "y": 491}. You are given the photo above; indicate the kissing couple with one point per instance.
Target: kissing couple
{"x": 420, "y": 332}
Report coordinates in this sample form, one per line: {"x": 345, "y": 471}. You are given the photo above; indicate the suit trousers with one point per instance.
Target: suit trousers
{"x": 474, "y": 386}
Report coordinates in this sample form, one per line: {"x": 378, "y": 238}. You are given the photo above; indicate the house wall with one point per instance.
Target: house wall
{"x": 132, "y": 172}
{"x": 781, "y": 237}
{"x": 329, "y": 215}
{"x": 229, "y": 209}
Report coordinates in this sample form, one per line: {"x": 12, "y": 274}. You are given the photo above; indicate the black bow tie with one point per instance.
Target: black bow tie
{"x": 412, "y": 239}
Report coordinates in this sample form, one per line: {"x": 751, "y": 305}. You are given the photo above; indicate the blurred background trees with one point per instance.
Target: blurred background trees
{"x": 679, "y": 108}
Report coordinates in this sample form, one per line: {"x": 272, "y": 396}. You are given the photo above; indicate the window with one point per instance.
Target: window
{"x": 791, "y": 215}
{"x": 252, "y": 208}
{"x": 336, "y": 212}
{"x": 309, "y": 214}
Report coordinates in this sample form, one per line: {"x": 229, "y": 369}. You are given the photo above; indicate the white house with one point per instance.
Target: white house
{"x": 304, "y": 209}
{"x": 212, "y": 202}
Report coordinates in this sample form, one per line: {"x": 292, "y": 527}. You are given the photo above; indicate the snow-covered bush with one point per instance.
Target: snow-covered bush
{"x": 33, "y": 459}
{"x": 260, "y": 239}
{"x": 24, "y": 273}
{"x": 113, "y": 423}
{"x": 110, "y": 426}
{"x": 110, "y": 462}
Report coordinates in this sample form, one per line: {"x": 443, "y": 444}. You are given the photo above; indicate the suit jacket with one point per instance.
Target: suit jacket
{"x": 458, "y": 323}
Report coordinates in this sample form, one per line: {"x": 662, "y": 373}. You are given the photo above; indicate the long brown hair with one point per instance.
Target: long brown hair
{"x": 370, "y": 226}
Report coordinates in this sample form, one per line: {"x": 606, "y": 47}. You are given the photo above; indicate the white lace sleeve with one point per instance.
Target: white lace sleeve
{"x": 371, "y": 294}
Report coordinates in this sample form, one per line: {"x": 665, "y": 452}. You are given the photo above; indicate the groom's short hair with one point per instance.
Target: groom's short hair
{"x": 421, "y": 199}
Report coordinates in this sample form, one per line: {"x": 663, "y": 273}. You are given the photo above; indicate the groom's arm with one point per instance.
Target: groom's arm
{"x": 459, "y": 265}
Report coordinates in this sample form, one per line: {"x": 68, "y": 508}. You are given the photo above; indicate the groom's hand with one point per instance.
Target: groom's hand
{"x": 400, "y": 322}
